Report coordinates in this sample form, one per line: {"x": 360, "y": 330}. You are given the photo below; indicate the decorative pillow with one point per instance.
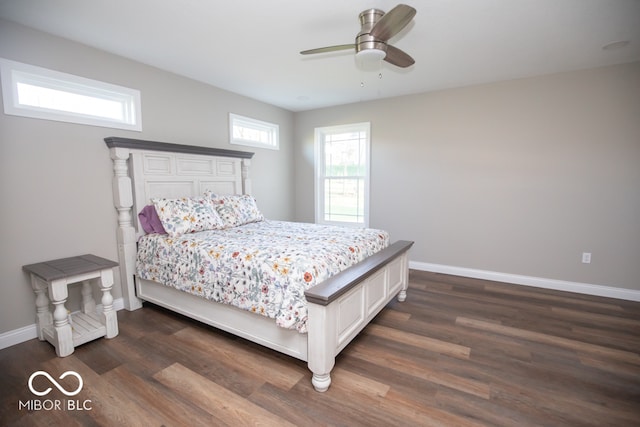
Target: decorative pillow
{"x": 150, "y": 221}
{"x": 187, "y": 215}
{"x": 236, "y": 209}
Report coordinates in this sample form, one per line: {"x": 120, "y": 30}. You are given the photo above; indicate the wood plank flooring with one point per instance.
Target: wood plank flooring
{"x": 457, "y": 352}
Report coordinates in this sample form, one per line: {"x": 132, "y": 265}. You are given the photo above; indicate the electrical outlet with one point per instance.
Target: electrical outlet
{"x": 586, "y": 257}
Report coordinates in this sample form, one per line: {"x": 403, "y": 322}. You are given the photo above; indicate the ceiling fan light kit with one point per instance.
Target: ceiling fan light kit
{"x": 371, "y": 55}
{"x": 377, "y": 28}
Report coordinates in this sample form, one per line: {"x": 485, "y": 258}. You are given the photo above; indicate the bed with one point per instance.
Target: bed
{"x": 338, "y": 307}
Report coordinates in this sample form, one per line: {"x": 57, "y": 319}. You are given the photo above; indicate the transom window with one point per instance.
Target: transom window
{"x": 252, "y": 132}
{"x": 342, "y": 174}
{"x": 37, "y": 92}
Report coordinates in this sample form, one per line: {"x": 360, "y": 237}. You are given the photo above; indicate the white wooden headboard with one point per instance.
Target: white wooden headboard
{"x": 147, "y": 169}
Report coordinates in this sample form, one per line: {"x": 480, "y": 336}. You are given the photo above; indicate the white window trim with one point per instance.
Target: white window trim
{"x": 272, "y": 129}
{"x": 319, "y": 174}
{"x": 14, "y": 73}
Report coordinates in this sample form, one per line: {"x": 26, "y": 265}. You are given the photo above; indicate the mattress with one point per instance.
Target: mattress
{"x": 263, "y": 267}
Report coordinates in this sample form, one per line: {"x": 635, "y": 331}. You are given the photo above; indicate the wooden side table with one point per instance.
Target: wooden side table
{"x": 85, "y": 326}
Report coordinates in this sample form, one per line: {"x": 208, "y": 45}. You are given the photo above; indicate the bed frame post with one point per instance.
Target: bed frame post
{"x": 321, "y": 343}
{"x": 126, "y": 233}
{"x": 404, "y": 260}
{"x": 246, "y": 180}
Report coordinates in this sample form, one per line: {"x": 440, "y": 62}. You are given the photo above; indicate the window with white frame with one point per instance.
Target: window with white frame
{"x": 342, "y": 174}
{"x": 252, "y": 132}
{"x": 40, "y": 93}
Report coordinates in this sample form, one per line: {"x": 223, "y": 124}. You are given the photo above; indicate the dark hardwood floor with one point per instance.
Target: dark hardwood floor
{"x": 458, "y": 352}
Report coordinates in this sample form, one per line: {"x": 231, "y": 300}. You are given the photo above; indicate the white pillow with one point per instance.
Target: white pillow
{"x": 187, "y": 215}
{"x": 236, "y": 209}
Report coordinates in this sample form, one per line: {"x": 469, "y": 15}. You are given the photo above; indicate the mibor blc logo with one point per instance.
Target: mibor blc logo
{"x": 55, "y": 404}
{"x": 55, "y": 383}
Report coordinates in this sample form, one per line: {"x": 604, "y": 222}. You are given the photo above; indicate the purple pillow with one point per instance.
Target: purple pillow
{"x": 150, "y": 221}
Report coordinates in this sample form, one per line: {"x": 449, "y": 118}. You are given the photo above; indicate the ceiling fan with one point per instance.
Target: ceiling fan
{"x": 377, "y": 28}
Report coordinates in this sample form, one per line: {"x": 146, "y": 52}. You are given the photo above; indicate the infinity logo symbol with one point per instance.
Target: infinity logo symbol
{"x": 55, "y": 383}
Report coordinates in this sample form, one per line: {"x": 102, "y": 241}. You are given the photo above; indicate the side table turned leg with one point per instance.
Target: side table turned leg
{"x": 109, "y": 316}
{"x": 43, "y": 314}
{"x": 88, "y": 303}
{"x": 63, "y": 335}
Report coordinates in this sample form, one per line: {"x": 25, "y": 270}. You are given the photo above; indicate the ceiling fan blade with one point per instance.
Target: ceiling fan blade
{"x": 393, "y": 22}
{"x": 328, "y": 49}
{"x": 398, "y": 57}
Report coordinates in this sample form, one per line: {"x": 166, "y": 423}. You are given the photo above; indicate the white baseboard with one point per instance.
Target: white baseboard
{"x": 17, "y": 336}
{"x": 539, "y": 282}
{"x": 26, "y": 333}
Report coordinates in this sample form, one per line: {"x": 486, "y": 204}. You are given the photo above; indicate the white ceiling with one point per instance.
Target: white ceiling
{"x": 251, "y": 47}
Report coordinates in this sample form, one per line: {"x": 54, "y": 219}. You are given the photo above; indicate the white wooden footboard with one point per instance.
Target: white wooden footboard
{"x": 342, "y": 306}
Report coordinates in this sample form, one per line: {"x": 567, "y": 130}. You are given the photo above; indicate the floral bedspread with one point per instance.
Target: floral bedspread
{"x": 263, "y": 267}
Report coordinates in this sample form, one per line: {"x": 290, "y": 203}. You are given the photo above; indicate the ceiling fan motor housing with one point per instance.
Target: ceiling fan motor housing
{"x": 364, "y": 40}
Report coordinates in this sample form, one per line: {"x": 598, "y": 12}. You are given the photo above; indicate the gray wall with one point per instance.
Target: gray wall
{"x": 55, "y": 178}
{"x": 517, "y": 177}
